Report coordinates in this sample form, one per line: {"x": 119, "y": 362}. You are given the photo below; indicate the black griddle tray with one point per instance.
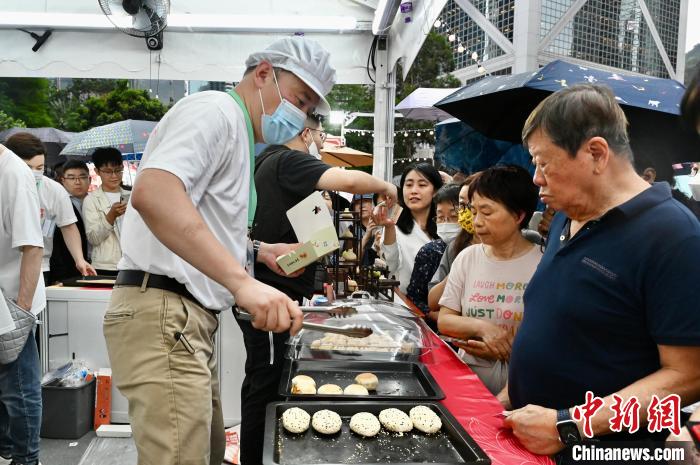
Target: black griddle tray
{"x": 451, "y": 445}
{"x": 397, "y": 380}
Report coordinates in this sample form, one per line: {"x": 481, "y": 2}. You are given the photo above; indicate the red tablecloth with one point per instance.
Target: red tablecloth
{"x": 475, "y": 407}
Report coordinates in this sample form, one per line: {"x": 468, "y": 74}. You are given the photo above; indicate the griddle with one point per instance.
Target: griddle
{"x": 451, "y": 445}
{"x": 398, "y": 381}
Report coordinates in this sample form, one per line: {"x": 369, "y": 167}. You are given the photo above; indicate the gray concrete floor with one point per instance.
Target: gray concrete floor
{"x": 64, "y": 451}
{"x": 89, "y": 450}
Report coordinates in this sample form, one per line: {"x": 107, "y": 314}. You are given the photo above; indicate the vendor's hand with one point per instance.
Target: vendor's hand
{"x": 85, "y": 268}
{"x": 536, "y": 429}
{"x": 496, "y": 341}
{"x": 271, "y": 309}
{"x": 268, "y": 254}
{"x": 116, "y": 211}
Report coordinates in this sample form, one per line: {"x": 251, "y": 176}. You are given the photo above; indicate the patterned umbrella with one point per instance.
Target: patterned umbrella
{"x": 498, "y": 106}
{"x": 128, "y": 136}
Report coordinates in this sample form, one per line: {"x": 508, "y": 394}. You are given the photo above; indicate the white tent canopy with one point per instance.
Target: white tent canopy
{"x": 210, "y": 40}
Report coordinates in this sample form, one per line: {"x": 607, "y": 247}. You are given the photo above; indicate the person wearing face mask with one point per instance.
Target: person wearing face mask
{"x": 483, "y": 298}
{"x": 186, "y": 255}
{"x": 56, "y": 207}
{"x": 285, "y": 175}
{"x": 428, "y": 257}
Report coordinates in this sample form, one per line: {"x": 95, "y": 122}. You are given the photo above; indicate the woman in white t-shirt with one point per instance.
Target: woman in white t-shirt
{"x": 416, "y": 225}
{"x": 56, "y": 209}
{"x": 103, "y": 211}
{"x": 483, "y": 299}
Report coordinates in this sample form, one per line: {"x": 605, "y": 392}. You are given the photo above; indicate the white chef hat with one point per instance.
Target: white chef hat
{"x": 307, "y": 59}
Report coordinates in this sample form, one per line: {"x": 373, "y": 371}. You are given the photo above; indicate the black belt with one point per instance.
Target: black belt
{"x": 136, "y": 277}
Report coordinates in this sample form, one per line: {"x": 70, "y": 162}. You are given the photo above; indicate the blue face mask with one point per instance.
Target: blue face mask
{"x": 284, "y": 124}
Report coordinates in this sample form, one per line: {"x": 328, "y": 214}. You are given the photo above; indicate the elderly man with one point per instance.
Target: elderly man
{"x": 612, "y": 307}
{"x": 185, "y": 250}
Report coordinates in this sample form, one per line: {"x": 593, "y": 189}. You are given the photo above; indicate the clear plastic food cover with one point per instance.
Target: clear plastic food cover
{"x": 393, "y": 338}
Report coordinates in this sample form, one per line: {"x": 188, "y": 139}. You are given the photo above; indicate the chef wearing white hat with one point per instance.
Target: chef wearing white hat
{"x": 185, "y": 245}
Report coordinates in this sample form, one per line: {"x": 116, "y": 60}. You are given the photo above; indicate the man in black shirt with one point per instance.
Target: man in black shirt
{"x": 75, "y": 178}
{"x": 284, "y": 176}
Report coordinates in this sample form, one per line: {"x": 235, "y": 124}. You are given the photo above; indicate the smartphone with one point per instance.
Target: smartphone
{"x": 125, "y": 197}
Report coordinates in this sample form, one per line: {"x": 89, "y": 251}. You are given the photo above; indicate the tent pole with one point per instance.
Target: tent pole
{"x": 384, "y": 103}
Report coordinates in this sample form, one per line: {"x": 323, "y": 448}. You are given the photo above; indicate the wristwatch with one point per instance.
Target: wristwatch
{"x": 256, "y": 249}
{"x": 567, "y": 427}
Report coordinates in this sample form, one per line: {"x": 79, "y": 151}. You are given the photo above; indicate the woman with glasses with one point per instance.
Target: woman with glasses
{"x": 464, "y": 239}
{"x": 75, "y": 178}
{"x": 103, "y": 211}
{"x": 428, "y": 257}
{"x": 483, "y": 300}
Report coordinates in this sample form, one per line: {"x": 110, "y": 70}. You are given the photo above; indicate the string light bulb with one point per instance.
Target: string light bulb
{"x": 460, "y": 49}
{"x": 438, "y": 23}
{"x": 452, "y": 37}
{"x": 475, "y": 56}
{"x": 481, "y": 69}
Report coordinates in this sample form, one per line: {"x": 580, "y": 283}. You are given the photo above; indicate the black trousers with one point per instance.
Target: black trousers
{"x": 260, "y": 386}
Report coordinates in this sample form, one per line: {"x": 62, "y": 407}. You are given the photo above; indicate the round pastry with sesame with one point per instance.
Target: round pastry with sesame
{"x": 425, "y": 420}
{"x": 395, "y": 420}
{"x": 365, "y": 424}
{"x": 326, "y": 422}
{"x": 296, "y": 420}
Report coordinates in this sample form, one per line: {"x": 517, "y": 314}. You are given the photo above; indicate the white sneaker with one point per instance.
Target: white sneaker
{"x": 4, "y": 461}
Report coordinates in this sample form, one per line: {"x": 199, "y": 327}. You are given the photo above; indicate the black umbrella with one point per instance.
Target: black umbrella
{"x": 498, "y": 106}
{"x": 53, "y": 139}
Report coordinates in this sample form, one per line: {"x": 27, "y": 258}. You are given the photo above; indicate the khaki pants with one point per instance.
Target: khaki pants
{"x": 161, "y": 349}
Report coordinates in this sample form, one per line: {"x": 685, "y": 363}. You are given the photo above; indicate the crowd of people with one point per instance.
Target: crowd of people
{"x": 596, "y": 293}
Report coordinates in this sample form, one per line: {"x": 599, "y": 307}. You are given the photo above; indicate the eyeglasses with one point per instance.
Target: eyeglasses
{"x": 112, "y": 172}
{"x": 76, "y": 178}
{"x": 322, "y": 134}
{"x": 449, "y": 219}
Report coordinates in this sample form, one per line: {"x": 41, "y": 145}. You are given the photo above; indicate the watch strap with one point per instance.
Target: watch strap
{"x": 563, "y": 415}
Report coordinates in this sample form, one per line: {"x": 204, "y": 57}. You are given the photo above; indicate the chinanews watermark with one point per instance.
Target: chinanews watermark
{"x": 663, "y": 415}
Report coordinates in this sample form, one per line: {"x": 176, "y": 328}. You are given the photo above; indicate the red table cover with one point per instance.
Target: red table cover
{"x": 475, "y": 407}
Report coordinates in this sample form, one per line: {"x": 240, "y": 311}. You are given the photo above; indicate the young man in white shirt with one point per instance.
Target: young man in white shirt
{"x": 56, "y": 208}
{"x": 21, "y": 245}
{"x": 103, "y": 211}
{"x": 184, "y": 244}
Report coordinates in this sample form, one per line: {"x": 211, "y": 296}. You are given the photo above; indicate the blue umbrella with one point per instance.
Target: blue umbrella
{"x": 498, "y": 106}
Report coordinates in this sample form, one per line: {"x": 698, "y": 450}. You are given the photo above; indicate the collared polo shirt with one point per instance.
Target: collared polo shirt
{"x": 601, "y": 302}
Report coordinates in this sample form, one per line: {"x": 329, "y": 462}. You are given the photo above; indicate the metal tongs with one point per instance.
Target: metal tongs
{"x": 347, "y": 330}
{"x": 339, "y": 311}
